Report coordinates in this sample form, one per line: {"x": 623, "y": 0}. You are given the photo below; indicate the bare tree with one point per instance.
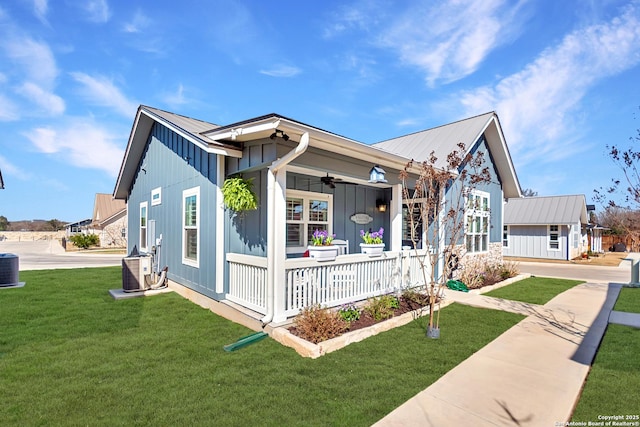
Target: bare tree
{"x": 440, "y": 197}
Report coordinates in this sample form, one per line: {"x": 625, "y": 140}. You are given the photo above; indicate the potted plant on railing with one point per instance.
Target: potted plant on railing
{"x": 321, "y": 248}
{"x": 373, "y": 244}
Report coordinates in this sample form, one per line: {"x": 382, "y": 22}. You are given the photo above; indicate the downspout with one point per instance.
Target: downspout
{"x": 271, "y": 220}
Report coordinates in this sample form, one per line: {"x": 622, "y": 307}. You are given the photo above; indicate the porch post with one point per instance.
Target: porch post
{"x": 220, "y": 263}
{"x": 279, "y": 245}
{"x": 396, "y": 217}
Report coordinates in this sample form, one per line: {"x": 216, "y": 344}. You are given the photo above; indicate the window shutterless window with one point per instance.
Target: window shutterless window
{"x": 554, "y": 237}
{"x": 191, "y": 226}
{"x": 505, "y": 236}
{"x": 144, "y": 209}
{"x": 477, "y": 217}
{"x": 307, "y": 212}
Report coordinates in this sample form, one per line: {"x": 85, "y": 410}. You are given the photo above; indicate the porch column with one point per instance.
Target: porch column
{"x": 220, "y": 262}
{"x": 396, "y": 217}
{"x": 279, "y": 245}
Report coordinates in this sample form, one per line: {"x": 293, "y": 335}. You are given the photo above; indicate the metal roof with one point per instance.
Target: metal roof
{"x": 442, "y": 140}
{"x": 105, "y": 207}
{"x": 546, "y": 210}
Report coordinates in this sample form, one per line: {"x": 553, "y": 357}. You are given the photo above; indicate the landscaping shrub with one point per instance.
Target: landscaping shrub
{"x": 382, "y": 307}
{"x": 349, "y": 312}
{"x": 316, "y": 324}
{"x": 85, "y": 240}
{"x": 478, "y": 272}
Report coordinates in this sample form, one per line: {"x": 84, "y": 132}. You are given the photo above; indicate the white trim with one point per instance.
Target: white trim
{"x": 220, "y": 264}
{"x": 195, "y": 191}
{"x": 156, "y": 196}
{"x": 143, "y": 244}
{"x": 306, "y": 196}
{"x": 506, "y": 229}
{"x": 549, "y": 237}
{"x": 484, "y": 214}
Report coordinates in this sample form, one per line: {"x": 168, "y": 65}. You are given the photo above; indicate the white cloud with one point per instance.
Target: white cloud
{"x": 449, "y": 40}
{"x": 97, "y": 11}
{"x": 138, "y": 23}
{"x": 101, "y": 91}
{"x": 35, "y": 58}
{"x": 539, "y": 105}
{"x": 8, "y": 109}
{"x": 48, "y": 101}
{"x": 40, "y": 9}
{"x": 10, "y": 169}
{"x": 176, "y": 98}
{"x": 83, "y": 143}
{"x": 281, "y": 71}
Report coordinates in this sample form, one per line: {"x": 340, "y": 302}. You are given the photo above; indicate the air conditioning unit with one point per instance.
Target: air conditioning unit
{"x": 134, "y": 271}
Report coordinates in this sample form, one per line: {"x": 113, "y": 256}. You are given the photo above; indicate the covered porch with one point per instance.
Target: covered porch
{"x": 304, "y": 281}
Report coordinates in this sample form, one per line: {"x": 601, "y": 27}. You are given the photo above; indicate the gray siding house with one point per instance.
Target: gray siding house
{"x": 306, "y": 179}
{"x": 552, "y": 227}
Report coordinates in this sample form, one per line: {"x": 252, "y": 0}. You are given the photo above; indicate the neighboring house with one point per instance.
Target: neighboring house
{"x": 1, "y": 181}
{"x": 552, "y": 227}
{"x": 77, "y": 227}
{"x": 306, "y": 179}
{"x": 109, "y": 221}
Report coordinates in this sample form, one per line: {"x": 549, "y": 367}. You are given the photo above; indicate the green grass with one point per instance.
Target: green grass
{"x": 613, "y": 384}
{"x": 71, "y": 355}
{"x": 629, "y": 300}
{"x": 534, "y": 290}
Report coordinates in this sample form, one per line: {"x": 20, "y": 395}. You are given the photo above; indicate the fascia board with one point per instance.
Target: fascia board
{"x": 203, "y": 144}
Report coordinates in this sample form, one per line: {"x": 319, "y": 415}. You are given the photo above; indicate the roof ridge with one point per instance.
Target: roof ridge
{"x": 180, "y": 115}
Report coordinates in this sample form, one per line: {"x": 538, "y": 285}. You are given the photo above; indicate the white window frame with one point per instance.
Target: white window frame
{"x": 195, "y": 191}
{"x": 556, "y": 240}
{"x": 143, "y": 226}
{"x": 506, "y": 234}
{"x": 306, "y": 197}
{"x": 477, "y": 219}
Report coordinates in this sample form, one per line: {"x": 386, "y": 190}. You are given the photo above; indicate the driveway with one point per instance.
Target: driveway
{"x": 589, "y": 273}
{"x": 49, "y": 254}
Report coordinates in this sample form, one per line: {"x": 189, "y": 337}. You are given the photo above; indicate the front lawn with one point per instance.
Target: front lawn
{"x": 71, "y": 355}
{"x": 534, "y": 290}
{"x": 613, "y": 384}
{"x": 628, "y": 300}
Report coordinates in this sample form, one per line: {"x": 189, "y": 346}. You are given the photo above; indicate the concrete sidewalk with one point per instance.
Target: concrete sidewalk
{"x": 531, "y": 375}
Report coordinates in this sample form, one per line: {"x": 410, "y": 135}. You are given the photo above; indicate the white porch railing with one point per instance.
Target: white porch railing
{"x": 248, "y": 281}
{"x": 350, "y": 278}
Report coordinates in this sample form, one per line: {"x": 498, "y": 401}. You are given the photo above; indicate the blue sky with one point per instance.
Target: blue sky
{"x": 563, "y": 76}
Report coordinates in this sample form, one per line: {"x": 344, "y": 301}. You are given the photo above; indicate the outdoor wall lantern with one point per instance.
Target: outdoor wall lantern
{"x": 381, "y": 205}
{"x": 376, "y": 175}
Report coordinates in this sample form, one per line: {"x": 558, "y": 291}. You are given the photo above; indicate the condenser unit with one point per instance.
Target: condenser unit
{"x": 134, "y": 271}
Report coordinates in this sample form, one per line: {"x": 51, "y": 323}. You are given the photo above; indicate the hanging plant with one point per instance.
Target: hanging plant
{"x": 238, "y": 194}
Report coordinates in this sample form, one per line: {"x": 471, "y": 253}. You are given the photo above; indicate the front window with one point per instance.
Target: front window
{"x": 144, "y": 208}
{"x": 554, "y": 237}
{"x": 412, "y": 224}
{"x": 505, "y": 236}
{"x": 191, "y": 226}
{"x": 306, "y": 213}
{"x": 477, "y": 218}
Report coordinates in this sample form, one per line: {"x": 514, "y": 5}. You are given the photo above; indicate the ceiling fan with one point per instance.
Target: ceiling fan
{"x": 331, "y": 181}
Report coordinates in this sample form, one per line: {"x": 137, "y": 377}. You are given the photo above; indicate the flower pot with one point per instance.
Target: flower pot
{"x": 323, "y": 253}
{"x": 372, "y": 249}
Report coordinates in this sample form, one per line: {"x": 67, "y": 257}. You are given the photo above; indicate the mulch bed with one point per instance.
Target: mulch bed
{"x": 366, "y": 320}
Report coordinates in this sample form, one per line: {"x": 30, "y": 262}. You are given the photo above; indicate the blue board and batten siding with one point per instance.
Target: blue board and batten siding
{"x": 174, "y": 164}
